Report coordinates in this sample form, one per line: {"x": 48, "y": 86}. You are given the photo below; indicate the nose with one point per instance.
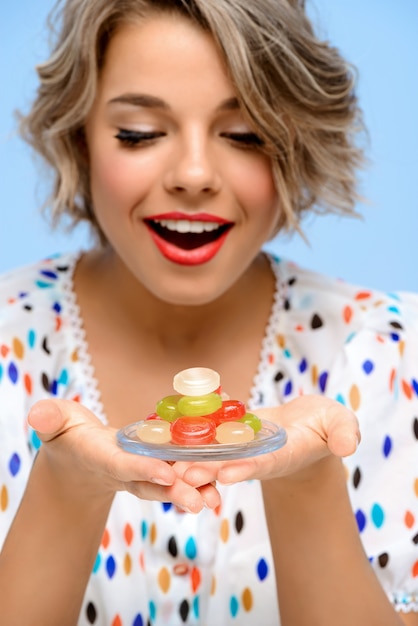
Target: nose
{"x": 192, "y": 169}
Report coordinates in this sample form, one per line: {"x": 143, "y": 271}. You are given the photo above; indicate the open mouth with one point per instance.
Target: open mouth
{"x": 188, "y": 234}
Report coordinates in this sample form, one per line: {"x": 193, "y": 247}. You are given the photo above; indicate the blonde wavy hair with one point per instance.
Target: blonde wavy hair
{"x": 296, "y": 89}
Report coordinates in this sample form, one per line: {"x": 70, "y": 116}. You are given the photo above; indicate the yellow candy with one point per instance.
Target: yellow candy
{"x": 253, "y": 421}
{"x": 195, "y": 406}
{"x": 167, "y": 408}
{"x": 234, "y": 432}
{"x": 154, "y": 431}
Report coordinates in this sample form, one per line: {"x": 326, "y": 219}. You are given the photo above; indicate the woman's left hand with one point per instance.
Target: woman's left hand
{"x": 316, "y": 427}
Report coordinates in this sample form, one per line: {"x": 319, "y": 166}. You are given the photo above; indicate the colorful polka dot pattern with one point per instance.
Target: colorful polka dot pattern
{"x": 157, "y": 566}
{"x": 359, "y": 347}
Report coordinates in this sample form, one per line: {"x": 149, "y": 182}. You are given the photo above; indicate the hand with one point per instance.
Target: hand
{"x": 316, "y": 427}
{"x": 83, "y": 455}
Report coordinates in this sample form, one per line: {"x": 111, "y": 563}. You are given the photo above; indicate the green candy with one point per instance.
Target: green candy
{"x": 195, "y": 406}
{"x": 167, "y": 408}
{"x": 252, "y": 420}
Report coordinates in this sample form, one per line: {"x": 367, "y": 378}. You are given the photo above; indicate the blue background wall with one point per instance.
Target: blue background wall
{"x": 379, "y": 36}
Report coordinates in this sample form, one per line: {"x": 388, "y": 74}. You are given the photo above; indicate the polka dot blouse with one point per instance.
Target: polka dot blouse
{"x": 156, "y": 566}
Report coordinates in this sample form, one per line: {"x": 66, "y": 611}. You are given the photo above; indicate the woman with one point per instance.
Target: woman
{"x": 188, "y": 134}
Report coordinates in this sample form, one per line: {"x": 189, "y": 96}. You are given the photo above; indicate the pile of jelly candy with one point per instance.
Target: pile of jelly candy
{"x": 198, "y": 414}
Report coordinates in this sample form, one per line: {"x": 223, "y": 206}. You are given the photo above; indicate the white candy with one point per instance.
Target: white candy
{"x": 196, "y": 381}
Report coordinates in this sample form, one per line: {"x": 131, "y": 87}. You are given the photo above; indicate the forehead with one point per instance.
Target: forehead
{"x": 164, "y": 52}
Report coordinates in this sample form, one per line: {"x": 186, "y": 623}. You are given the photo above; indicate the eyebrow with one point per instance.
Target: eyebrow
{"x": 152, "y": 102}
{"x": 140, "y": 100}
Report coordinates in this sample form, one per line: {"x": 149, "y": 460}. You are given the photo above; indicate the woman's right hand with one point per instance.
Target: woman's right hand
{"x": 83, "y": 454}
{"x": 55, "y": 536}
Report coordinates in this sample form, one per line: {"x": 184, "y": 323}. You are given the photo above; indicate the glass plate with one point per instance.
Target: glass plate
{"x": 270, "y": 437}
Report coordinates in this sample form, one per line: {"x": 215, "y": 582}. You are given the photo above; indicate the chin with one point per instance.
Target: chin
{"x": 187, "y": 300}
{"x": 191, "y": 295}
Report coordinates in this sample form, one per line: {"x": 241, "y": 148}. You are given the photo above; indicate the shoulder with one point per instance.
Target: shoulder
{"x": 40, "y": 353}
{"x": 35, "y": 321}
{"x": 324, "y": 301}
{"x": 330, "y": 336}
{"x": 35, "y": 288}
{"x": 38, "y": 276}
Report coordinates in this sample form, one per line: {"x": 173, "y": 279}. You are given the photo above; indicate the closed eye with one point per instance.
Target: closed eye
{"x": 132, "y": 138}
{"x": 246, "y": 139}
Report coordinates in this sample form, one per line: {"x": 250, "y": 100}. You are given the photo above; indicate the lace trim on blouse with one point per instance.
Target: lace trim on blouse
{"x": 270, "y": 332}
{"x": 405, "y": 603}
{"x": 79, "y": 334}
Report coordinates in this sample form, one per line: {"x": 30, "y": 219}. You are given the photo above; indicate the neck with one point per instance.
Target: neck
{"x": 127, "y": 303}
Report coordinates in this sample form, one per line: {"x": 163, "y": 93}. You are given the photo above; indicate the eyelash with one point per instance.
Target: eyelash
{"x": 133, "y": 138}
{"x": 250, "y": 140}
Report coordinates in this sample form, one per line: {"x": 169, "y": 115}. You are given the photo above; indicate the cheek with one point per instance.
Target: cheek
{"x": 111, "y": 181}
{"x": 255, "y": 185}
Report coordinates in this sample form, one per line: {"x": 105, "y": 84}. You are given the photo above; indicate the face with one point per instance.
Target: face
{"x": 179, "y": 184}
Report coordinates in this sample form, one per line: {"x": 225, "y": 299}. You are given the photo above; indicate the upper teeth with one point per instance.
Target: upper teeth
{"x": 188, "y": 226}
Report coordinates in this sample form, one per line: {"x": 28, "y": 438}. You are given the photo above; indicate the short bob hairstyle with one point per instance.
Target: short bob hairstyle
{"x": 297, "y": 91}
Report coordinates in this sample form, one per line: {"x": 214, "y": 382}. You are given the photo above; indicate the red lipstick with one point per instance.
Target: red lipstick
{"x": 188, "y": 248}
{"x": 192, "y": 217}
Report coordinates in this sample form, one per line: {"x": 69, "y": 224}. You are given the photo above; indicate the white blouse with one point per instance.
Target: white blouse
{"x": 160, "y": 567}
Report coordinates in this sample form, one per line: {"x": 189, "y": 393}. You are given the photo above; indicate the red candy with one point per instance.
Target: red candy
{"x": 193, "y": 431}
{"x": 231, "y": 410}
{"x": 153, "y": 416}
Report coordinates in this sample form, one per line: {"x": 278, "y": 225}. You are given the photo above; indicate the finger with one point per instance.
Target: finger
{"x": 181, "y": 494}
{"x": 203, "y": 478}
{"x": 199, "y": 474}
{"x": 332, "y": 422}
{"x": 210, "y": 495}
{"x": 46, "y": 419}
{"x": 50, "y": 418}
{"x": 344, "y": 435}
{"x": 254, "y": 468}
{"x": 126, "y": 467}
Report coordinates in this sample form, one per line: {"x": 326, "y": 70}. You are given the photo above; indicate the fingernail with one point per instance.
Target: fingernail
{"x": 183, "y": 508}
{"x": 161, "y": 481}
